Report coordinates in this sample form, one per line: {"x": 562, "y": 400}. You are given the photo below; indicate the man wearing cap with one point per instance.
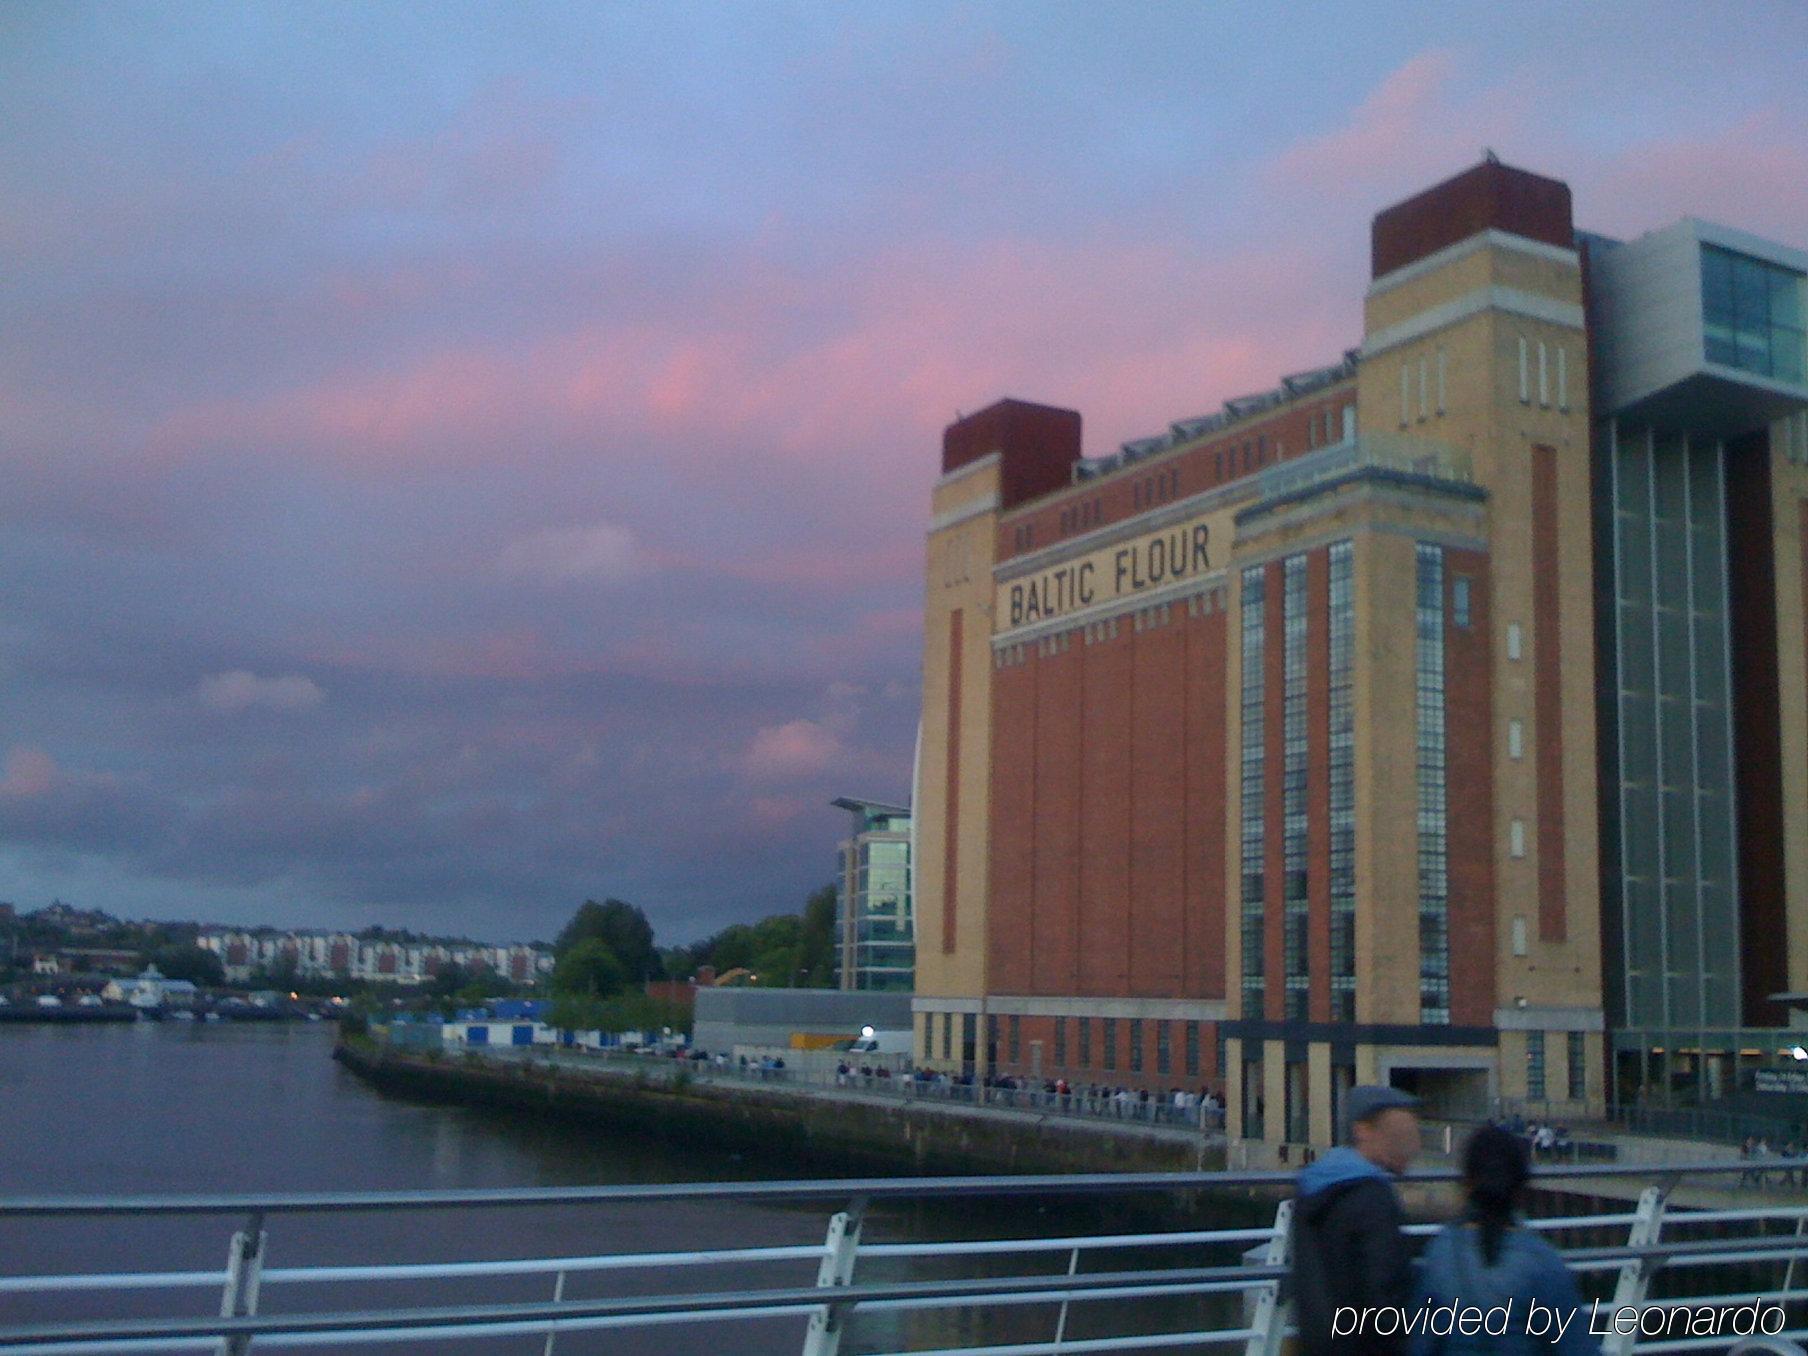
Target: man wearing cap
{"x": 1348, "y": 1251}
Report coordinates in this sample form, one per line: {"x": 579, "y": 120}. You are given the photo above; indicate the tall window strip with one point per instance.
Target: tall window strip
{"x": 1534, "y": 1067}
{"x": 1060, "y": 1042}
{"x": 1442, "y": 365}
{"x": 1293, "y": 786}
{"x": 1525, "y": 374}
{"x": 1562, "y": 378}
{"x": 1252, "y": 784}
{"x": 1341, "y": 632}
{"x": 1544, "y": 376}
{"x": 1434, "y": 863}
{"x": 1578, "y": 1066}
{"x": 1405, "y": 394}
{"x": 1423, "y": 387}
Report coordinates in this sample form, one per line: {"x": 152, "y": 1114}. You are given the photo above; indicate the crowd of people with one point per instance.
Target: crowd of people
{"x": 1176, "y": 1105}
{"x": 1756, "y": 1148}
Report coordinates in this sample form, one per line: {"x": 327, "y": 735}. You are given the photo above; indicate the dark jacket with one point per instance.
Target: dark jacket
{"x": 1348, "y": 1253}
{"x": 1526, "y": 1270}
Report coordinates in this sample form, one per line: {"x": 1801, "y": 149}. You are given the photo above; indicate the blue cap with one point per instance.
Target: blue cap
{"x": 1371, "y": 1099}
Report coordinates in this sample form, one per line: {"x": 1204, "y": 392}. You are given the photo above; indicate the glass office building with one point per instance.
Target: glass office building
{"x": 875, "y": 933}
{"x": 1700, "y": 378}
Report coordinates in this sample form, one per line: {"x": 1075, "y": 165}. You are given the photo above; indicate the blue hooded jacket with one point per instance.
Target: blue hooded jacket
{"x": 1526, "y": 1270}
{"x": 1334, "y": 1167}
{"x": 1348, "y": 1254}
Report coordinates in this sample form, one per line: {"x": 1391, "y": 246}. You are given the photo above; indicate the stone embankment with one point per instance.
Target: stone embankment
{"x": 829, "y": 1130}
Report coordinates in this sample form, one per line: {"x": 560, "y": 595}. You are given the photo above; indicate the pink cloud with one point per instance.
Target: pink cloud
{"x": 1752, "y": 174}
{"x": 796, "y": 749}
{"x": 1430, "y": 117}
{"x": 30, "y": 772}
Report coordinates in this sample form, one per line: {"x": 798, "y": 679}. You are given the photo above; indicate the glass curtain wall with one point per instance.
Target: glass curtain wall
{"x": 1677, "y": 918}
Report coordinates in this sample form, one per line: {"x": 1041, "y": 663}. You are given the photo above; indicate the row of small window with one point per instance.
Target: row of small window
{"x": 1155, "y": 489}
{"x": 1545, "y": 366}
{"x": 1143, "y": 619}
{"x": 1328, "y": 426}
{"x": 1577, "y": 1050}
{"x": 1080, "y": 517}
{"x": 1136, "y": 1052}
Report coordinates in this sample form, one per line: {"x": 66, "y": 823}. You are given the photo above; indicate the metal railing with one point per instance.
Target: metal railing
{"x": 1093, "y": 1104}
{"x": 1208, "y": 1271}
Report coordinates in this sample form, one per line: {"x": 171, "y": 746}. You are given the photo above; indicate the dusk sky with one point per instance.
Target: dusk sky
{"x": 457, "y": 460}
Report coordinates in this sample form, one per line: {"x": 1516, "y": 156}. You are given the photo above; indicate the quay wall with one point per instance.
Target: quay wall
{"x": 819, "y": 1133}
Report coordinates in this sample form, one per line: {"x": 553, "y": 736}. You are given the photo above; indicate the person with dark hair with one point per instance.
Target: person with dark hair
{"x": 1349, "y": 1256}
{"x": 1488, "y": 1259}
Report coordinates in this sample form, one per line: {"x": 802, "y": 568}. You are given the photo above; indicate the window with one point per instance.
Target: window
{"x": 1519, "y": 933}
{"x": 991, "y": 1038}
{"x": 1164, "y": 1055}
{"x": 1136, "y": 1045}
{"x": 1085, "y": 1042}
{"x": 1562, "y": 378}
{"x": 1525, "y": 374}
{"x": 1294, "y": 907}
{"x": 1513, "y": 640}
{"x": 1405, "y": 394}
{"x": 1192, "y": 1049}
{"x": 1459, "y": 601}
{"x": 1544, "y": 377}
{"x": 1253, "y": 776}
{"x": 1434, "y": 826}
{"x": 1340, "y": 721}
{"x": 1422, "y": 387}
{"x": 1441, "y": 367}
{"x": 1013, "y": 1046}
{"x": 1534, "y": 1066}
{"x": 1108, "y": 1039}
{"x": 1515, "y": 739}
{"x": 1060, "y": 1042}
{"x": 969, "y": 1035}
{"x": 1349, "y": 422}
{"x": 1578, "y": 1065}
{"x": 947, "y": 1035}
{"x": 1753, "y": 314}
{"x": 1516, "y": 839}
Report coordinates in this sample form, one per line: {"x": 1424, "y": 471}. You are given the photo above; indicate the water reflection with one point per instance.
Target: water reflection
{"x": 262, "y": 1108}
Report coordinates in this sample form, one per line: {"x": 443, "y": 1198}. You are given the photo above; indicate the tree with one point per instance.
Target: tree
{"x": 817, "y": 944}
{"x": 588, "y": 970}
{"x": 196, "y": 964}
{"x": 620, "y": 926}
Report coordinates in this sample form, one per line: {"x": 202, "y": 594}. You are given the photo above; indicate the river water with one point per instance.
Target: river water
{"x": 227, "y": 1108}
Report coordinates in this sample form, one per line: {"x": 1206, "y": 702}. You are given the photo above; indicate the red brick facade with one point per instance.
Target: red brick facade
{"x": 1107, "y": 874}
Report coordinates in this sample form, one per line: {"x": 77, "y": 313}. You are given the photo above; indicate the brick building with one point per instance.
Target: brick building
{"x": 1266, "y": 753}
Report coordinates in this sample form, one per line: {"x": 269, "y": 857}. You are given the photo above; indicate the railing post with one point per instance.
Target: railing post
{"x": 1635, "y": 1275}
{"x": 558, "y": 1294}
{"x": 244, "y": 1273}
{"x": 1073, "y": 1266}
{"x": 837, "y": 1269}
{"x": 1269, "y": 1321}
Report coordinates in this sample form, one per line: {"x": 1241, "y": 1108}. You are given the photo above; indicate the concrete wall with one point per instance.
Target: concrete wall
{"x": 726, "y": 1018}
{"x": 826, "y": 1132}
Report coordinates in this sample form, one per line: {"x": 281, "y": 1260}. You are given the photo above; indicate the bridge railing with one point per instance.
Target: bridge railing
{"x": 1219, "y": 1285}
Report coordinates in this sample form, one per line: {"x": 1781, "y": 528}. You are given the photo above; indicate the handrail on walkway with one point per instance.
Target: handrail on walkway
{"x": 1221, "y": 1294}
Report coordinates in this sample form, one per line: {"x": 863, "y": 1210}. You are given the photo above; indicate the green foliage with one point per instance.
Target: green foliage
{"x": 621, "y": 927}
{"x": 195, "y": 964}
{"x": 630, "y": 1010}
{"x": 588, "y": 969}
